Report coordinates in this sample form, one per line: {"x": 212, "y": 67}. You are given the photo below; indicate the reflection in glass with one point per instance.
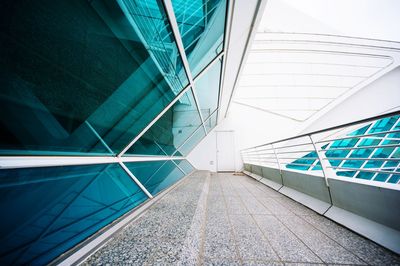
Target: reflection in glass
{"x": 211, "y": 122}
{"x": 201, "y": 25}
{"x": 171, "y": 130}
{"x": 192, "y": 141}
{"x": 207, "y": 89}
{"x": 185, "y": 166}
{"x": 156, "y": 175}
{"x": 70, "y": 204}
{"x": 82, "y": 77}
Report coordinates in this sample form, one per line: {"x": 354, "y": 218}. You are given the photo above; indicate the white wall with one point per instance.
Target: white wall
{"x": 379, "y": 97}
{"x": 252, "y": 127}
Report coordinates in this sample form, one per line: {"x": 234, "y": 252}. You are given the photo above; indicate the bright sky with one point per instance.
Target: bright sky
{"x": 376, "y": 19}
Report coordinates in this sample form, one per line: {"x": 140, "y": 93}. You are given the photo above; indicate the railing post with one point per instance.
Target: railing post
{"x": 321, "y": 157}
{"x": 277, "y": 159}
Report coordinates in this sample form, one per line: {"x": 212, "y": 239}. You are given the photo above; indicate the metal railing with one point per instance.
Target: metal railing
{"x": 362, "y": 149}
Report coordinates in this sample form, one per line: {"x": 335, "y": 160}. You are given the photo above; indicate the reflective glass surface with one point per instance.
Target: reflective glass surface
{"x": 83, "y": 77}
{"x": 207, "y": 89}
{"x": 156, "y": 175}
{"x": 192, "y": 141}
{"x": 211, "y": 122}
{"x": 171, "y": 130}
{"x": 185, "y": 166}
{"x": 46, "y": 211}
{"x": 201, "y": 25}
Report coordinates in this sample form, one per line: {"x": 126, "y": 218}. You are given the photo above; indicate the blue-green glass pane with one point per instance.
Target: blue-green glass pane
{"x": 345, "y": 173}
{"x": 384, "y": 124}
{"x": 394, "y": 179}
{"x": 171, "y": 129}
{"x": 373, "y": 164}
{"x": 70, "y": 204}
{"x": 81, "y": 77}
{"x": 382, "y": 152}
{"x": 211, "y": 122}
{"x": 365, "y": 175}
{"x": 207, "y": 90}
{"x": 297, "y": 167}
{"x": 396, "y": 154}
{"x": 370, "y": 141}
{"x": 201, "y": 25}
{"x": 317, "y": 166}
{"x": 381, "y": 177}
{"x": 391, "y": 164}
{"x": 344, "y": 143}
{"x": 304, "y": 160}
{"x": 185, "y": 166}
{"x": 359, "y": 153}
{"x": 156, "y": 175}
{"x": 192, "y": 141}
{"x": 337, "y": 154}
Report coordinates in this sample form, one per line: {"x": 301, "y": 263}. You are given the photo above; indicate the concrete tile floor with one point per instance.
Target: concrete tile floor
{"x": 226, "y": 219}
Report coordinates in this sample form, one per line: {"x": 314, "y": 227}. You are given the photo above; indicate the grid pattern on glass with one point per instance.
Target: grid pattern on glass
{"x": 359, "y": 157}
{"x": 71, "y": 203}
{"x": 201, "y": 26}
{"x": 83, "y": 85}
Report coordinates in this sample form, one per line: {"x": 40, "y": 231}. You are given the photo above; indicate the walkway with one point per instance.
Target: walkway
{"x": 226, "y": 219}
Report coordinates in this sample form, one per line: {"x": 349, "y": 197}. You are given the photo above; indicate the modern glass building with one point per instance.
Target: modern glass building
{"x": 106, "y": 98}
{"x": 165, "y": 111}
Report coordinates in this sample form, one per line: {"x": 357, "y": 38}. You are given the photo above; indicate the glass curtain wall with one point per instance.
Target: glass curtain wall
{"x": 106, "y": 80}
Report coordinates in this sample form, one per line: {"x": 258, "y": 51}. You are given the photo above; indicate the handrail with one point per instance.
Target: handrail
{"x": 365, "y": 120}
{"x": 386, "y": 145}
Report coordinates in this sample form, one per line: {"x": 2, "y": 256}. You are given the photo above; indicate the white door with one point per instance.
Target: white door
{"x": 225, "y": 151}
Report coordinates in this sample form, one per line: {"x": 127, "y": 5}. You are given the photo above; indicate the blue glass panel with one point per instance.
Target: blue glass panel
{"x": 185, "y": 166}
{"x": 51, "y": 209}
{"x": 297, "y": 167}
{"x": 346, "y": 173}
{"x": 207, "y": 89}
{"x": 201, "y": 25}
{"x": 384, "y": 124}
{"x": 171, "y": 130}
{"x": 394, "y": 179}
{"x": 360, "y": 153}
{"x": 394, "y": 138}
{"x": 370, "y": 141}
{"x": 337, "y": 154}
{"x": 156, "y": 175}
{"x": 344, "y": 143}
{"x": 365, "y": 175}
{"x": 81, "y": 77}
{"x": 317, "y": 166}
{"x": 303, "y": 160}
{"x": 192, "y": 141}
{"x": 211, "y": 122}
{"x": 381, "y": 177}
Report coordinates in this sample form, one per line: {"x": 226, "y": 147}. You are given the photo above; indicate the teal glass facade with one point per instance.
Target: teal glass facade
{"x": 98, "y": 80}
{"x": 361, "y": 153}
{"x": 49, "y": 210}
